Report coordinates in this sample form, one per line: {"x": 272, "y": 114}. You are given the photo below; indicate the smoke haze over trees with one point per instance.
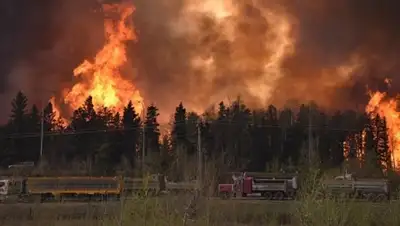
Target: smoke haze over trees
{"x": 337, "y": 48}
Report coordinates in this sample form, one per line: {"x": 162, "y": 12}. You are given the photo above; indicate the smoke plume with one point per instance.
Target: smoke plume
{"x": 203, "y": 51}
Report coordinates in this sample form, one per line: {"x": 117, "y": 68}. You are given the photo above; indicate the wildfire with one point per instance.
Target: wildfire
{"x": 385, "y": 107}
{"x": 355, "y": 143}
{"x": 102, "y": 77}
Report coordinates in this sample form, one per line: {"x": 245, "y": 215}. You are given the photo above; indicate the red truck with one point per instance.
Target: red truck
{"x": 271, "y": 187}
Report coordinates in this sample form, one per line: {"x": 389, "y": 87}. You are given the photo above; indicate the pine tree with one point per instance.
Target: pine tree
{"x": 34, "y": 120}
{"x": 260, "y": 143}
{"x": 51, "y": 152}
{"x": 86, "y": 126}
{"x": 152, "y": 131}
{"x": 372, "y": 163}
{"x": 239, "y": 136}
{"x": 193, "y": 122}
{"x": 337, "y": 135}
{"x": 131, "y": 133}
{"x": 166, "y": 154}
{"x": 179, "y": 134}
{"x": 290, "y": 135}
{"x": 18, "y": 118}
{"x": 17, "y": 127}
{"x": 274, "y": 132}
{"x": 382, "y": 141}
{"x": 220, "y": 130}
{"x": 34, "y": 127}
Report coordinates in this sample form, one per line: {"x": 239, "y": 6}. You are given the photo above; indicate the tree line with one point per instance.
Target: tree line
{"x": 100, "y": 141}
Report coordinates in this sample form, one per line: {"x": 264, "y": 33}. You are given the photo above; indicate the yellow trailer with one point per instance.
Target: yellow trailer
{"x": 67, "y": 187}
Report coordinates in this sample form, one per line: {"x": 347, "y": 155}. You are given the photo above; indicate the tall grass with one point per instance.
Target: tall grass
{"x": 169, "y": 210}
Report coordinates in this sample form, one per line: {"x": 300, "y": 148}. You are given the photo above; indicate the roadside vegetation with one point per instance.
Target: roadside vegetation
{"x": 207, "y": 210}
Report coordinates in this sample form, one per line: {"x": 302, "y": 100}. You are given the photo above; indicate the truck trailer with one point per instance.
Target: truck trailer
{"x": 375, "y": 190}
{"x": 28, "y": 189}
{"x": 59, "y": 188}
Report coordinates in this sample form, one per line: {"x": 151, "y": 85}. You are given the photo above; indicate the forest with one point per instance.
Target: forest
{"x": 99, "y": 141}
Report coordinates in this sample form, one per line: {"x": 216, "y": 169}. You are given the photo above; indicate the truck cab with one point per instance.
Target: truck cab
{"x": 11, "y": 189}
{"x": 4, "y": 188}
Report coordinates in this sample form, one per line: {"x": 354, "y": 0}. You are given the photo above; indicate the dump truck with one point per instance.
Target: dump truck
{"x": 28, "y": 189}
{"x": 375, "y": 190}
{"x": 39, "y": 189}
{"x": 270, "y": 187}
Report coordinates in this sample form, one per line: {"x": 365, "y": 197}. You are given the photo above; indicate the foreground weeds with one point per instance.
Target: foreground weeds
{"x": 313, "y": 210}
{"x": 170, "y": 211}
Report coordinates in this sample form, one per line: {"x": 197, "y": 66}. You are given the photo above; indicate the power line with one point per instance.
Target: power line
{"x": 140, "y": 129}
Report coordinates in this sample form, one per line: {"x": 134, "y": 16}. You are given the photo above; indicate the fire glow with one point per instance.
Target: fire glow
{"x": 102, "y": 78}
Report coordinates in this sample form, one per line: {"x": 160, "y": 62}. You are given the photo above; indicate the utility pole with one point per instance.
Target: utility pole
{"x": 200, "y": 155}
{"x": 309, "y": 135}
{"x": 143, "y": 138}
{"x": 42, "y": 132}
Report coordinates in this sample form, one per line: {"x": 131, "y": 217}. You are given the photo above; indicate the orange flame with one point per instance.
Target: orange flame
{"x": 357, "y": 141}
{"x": 57, "y": 112}
{"x": 101, "y": 78}
{"x": 387, "y": 108}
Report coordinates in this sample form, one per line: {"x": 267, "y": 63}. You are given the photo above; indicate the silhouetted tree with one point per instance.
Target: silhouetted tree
{"x": 237, "y": 137}
{"x": 18, "y": 128}
{"x": 152, "y": 132}
{"x": 86, "y": 126}
{"x": 382, "y": 143}
{"x": 179, "y": 134}
{"x": 131, "y": 133}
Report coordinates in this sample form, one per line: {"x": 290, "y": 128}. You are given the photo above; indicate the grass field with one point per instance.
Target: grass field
{"x": 170, "y": 211}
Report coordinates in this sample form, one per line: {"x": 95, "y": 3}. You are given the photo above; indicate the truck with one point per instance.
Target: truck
{"x": 375, "y": 190}
{"x": 271, "y": 187}
{"x": 39, "y": 189}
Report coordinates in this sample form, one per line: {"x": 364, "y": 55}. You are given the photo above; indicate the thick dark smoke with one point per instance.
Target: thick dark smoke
{"x": 332, "y": 32}
{"x": 43, "y": 40}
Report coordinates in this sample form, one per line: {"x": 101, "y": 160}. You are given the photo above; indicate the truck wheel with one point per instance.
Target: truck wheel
{"x": 380, "y": 198}
{"x": 371, "y": 197}
{"x": 268, "y": 195}
{"x": 279, "y": 195}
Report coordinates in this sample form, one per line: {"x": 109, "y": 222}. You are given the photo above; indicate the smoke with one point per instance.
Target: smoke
{"x": 337, "y": 33}
{"x": 44, "y": 40}
{"x": 204, "y": 51}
